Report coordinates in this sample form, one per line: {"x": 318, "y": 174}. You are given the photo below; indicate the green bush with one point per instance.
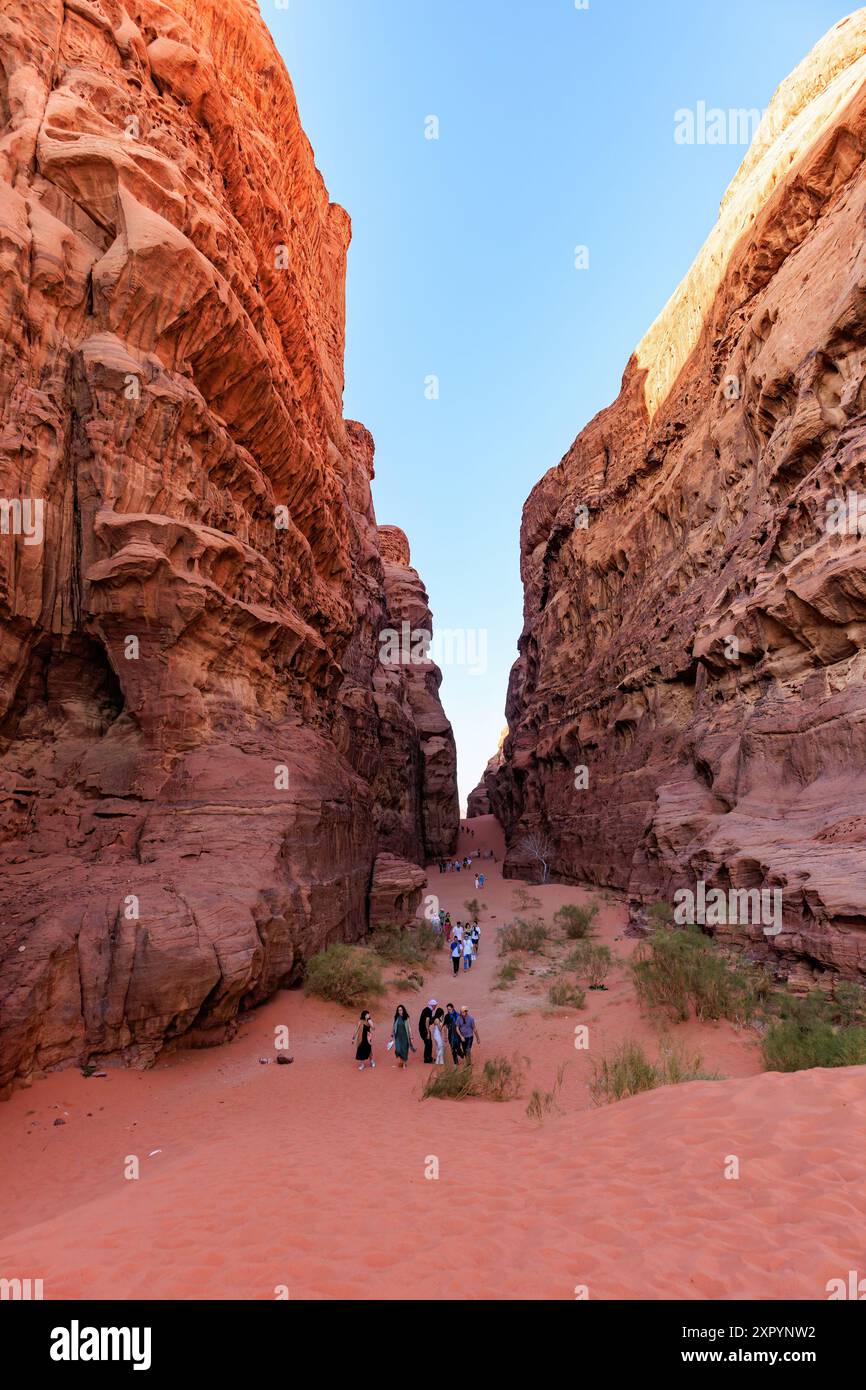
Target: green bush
{"x": 591, "y": 963}
{"x": 508, "y": 973}
{"x": 680, "y": 972}
{"x": 405, "y": 945}
{"x": 566, "y": 996}
{"x": 344, "y": 974}
{"x": 499, "y": 1079}
{"x": 576, "y": 921}
{"x": 812, "y": 1032}
{"x": 849, "y": 1003}
{"x": 660, "y": 915}
{"x": 628, "y": 1071}
{"x": 524, "y": 936}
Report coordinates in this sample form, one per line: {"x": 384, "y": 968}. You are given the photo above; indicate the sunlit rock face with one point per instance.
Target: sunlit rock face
{"x": 688, "y": 703}
{"x": 478, "y": 802}
{"x": 192, "y": 792}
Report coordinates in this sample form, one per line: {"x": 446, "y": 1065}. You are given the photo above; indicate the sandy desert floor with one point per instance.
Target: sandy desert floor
{"x": 312, "y": 1177}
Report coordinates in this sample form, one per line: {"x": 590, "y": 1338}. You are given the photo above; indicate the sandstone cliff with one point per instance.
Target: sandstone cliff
{"x": 688, "y": 703}
{"x": 192, "y": 708}
{"x": 478, "y": 802}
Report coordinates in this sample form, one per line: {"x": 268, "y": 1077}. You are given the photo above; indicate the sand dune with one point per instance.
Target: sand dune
{"x": 312, "y": 1176}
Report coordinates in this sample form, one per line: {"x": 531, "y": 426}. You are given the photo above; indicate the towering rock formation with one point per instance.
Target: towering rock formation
{"x": 695, "y": 612}
{"x": 192, "y": 706}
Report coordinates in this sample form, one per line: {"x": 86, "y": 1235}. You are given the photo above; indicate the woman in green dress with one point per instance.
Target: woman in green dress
{"x": 402, "y": 1036}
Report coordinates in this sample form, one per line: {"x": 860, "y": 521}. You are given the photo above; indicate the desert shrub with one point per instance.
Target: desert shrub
{"x": 566, "y": 996}
{"x": 680, "y": 972}
{"x": 660, "y": 915}
{"x": 449, "y": 1083}
{"x": 508, "y": 973}
{"x": 543, "y": 1103}
{"x": 848, "y": 1003}
{"x": 428, "y": 939}
{"x": 474, "y": 908}
{"x": 807, "y": 1035}
{"x": 628, "y": 1071}
{"x": 576, "y": 921}
{"x": 410, "y": 979}
{"x": 405, "y": 945}
{"x": 597, "y": 968}
{"x": 344, "y": 974}
{"x": 526, "y": 901}
{"x": 499, "y": 1079}
{"x": 524, "y": 935}
{"x": 591, "y": 963}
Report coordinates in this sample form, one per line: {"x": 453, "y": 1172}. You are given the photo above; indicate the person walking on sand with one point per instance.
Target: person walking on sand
{"x": 454, "y": 1042}
{"x": 456, "y": 952}
{"x": 363, "y": 1037}
{"x": 467, "y": 1030}
{"x": 467, "y": 951}
{"x": 424, "y": 1029}
{"x": 401, "y": 1036}
{"x": 475, "y": 935}
{"x": 437, "y": 1031}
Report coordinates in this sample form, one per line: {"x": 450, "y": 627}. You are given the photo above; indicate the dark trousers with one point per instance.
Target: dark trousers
{"x": 456, "y": 1048}
{"x": 455, "y": 961}
{"x": 428, "y": 1048}
{"x": 467, "y": 1047}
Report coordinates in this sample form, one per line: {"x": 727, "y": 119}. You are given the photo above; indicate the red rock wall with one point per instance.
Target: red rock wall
{"x": 706, "y": 487}
{"x": 191, "y": 796}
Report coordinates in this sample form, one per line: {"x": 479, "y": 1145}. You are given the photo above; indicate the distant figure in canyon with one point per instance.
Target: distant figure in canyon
{"x": 401, "y": 1036}
{"x": 363, "y": 1036}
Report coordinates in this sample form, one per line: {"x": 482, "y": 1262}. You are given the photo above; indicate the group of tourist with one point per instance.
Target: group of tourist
{"x": 435, "y": 1026}
{"x": 463, "y": 941}
{"x": 453, "y": 866}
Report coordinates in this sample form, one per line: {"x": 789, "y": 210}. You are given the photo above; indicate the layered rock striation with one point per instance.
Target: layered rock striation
{"x": 688, "y": 703}
{"x": 193, "y": 709}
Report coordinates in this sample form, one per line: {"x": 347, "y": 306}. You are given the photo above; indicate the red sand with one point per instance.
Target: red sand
{"x": 313, "y": 1176}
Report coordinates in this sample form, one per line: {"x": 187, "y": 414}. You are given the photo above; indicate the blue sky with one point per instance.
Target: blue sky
{"x": 556, "y": 130}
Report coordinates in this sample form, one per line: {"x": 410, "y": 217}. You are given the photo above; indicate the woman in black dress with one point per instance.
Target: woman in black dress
{"x": 363, "y": 1036}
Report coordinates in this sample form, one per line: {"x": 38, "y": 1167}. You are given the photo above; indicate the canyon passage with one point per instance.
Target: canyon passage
{"x": 212, "y": 768}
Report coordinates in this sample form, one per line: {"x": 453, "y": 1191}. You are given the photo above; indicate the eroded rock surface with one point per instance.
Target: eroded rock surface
{"x": 695, "y": 628}
{"x": 395, "y": 894}
{"x": 192, "y": 707}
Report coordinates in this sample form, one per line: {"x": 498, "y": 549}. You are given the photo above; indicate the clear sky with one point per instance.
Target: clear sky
{"x": 556, "y": 130}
